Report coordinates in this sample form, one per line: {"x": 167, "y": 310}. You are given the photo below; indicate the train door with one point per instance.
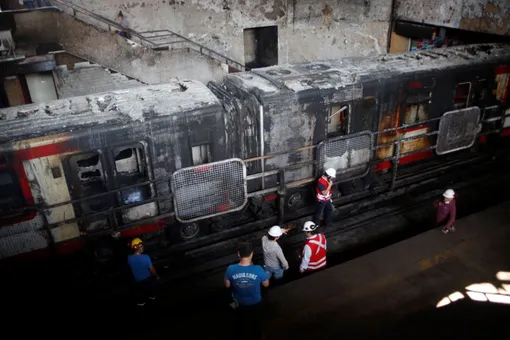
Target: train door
{"x": 417, "y": 110}
{"x": 488, "y": 90}
{"x": 46, "y": 177}
{"x": 404, "y": 112}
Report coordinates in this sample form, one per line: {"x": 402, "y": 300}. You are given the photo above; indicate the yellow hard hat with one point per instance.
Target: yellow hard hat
{"x": 136, "y": 243}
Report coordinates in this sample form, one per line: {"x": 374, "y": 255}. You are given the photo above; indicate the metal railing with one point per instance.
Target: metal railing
{"x": 280, "y": 189}
{"x": 156, "y": 40}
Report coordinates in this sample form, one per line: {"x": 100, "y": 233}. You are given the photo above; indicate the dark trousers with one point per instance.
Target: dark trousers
{"x": 145, "y": 289}
{"x": 248, "y": 322}
{"x": 327, "y": 208}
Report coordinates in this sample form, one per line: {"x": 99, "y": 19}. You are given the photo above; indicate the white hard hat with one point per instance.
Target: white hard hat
{"x": 275, "y": 231}
{"x": 449, "y": 193}
{"x": 309, "y": 226}
{"x": 331, "y": 172}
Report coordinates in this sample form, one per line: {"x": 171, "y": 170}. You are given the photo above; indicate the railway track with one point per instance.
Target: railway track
{"x": 186, "y": 263}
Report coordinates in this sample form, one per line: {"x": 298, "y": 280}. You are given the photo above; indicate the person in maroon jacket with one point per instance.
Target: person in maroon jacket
{"x": 447, "y": 212}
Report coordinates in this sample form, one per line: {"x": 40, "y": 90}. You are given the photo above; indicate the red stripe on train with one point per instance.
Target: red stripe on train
{"x": 404, "y": 160}
{"x": 144, "y": 229}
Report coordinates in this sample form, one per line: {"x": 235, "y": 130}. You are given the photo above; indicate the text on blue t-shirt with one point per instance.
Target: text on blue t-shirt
{"x": 140, "y": 266}
{"x": 245, "y": 283}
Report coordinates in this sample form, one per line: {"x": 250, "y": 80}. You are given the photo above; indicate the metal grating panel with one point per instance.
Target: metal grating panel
{"x": 457, "y": 130}
{"x": 209, "y": 190}
{"x": 349, "y": 155}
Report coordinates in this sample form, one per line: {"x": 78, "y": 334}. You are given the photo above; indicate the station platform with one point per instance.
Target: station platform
{"x": 395, "y": 292}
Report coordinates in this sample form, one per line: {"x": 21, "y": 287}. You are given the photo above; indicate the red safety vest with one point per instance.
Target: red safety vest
{"x": 317, "y": 245}
{"x": 320, "y": 196}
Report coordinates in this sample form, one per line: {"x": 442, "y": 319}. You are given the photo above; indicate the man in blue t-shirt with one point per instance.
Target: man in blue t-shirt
{"x": 143, "y": 272}
{"x": 244, "y": 280}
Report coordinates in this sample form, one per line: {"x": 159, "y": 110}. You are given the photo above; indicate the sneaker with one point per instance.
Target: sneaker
{"x": 445, "y": 230}
{"x": 452, "y": 229}
{"x": 141, "y": 304}
{"x": 152, "y": 297}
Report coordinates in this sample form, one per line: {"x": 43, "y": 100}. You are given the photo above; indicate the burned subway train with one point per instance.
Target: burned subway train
{"x": 181, "y": 160}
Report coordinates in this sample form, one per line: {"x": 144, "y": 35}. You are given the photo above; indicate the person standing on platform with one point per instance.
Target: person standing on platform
{"x": 313, "y": 254}
{"x": 244, "y": 280}
{"x": 143, "y": 273}
{"x": 447, "y": 212}
{"x": 323, "y": 197}
{"x": 275, "y": 262}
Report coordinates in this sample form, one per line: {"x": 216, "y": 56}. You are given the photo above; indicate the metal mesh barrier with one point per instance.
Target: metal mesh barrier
{"x": 349, "y": 155}
{"x": 457, "y": 130}
{"x": 209, "y": 190}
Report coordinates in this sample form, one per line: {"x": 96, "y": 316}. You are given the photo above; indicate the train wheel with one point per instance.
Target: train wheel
{"x": 295, "y": 201}
{"x": 261, "y": 208}
{"x": 189, "y": 231}
{"x": 218, "y": 225}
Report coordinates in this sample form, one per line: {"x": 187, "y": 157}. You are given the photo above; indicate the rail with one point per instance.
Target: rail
{"x": 156, "y": 40}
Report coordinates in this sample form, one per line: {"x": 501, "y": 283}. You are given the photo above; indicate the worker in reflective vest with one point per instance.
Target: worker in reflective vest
{"x": 323, "y": 197}
{"x": 313, "y": 254}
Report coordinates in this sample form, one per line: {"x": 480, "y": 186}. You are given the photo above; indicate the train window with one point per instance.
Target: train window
{"x": 201, "y": 154}
{"x": 11, "y": 197}
{"x": 131, "y": 169}
{"x": 482, "y": 85}
{"x": 89, "y": 171}
{"x": 462, "y": 93}
{"x": 418, "y": 98}
{"x": 417, "y": 107}
{"x": 337, "y": 120}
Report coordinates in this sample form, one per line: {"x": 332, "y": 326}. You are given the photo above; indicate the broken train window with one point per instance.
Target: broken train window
{"x": 88, "y": 179}
{"x": 201, "y": 154}
{"x": 11, "y": 197}
{"x": 417, "y": 107}
{"x": 338, "y": 120}
{"x": 462, "y": 94}
{"x": 131, "y": 169}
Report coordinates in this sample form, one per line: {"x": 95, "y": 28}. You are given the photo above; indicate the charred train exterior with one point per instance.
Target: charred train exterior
{"x": 192, "y": 159}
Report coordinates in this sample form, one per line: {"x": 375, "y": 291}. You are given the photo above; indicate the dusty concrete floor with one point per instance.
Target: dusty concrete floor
{"x": 388, "y": 291}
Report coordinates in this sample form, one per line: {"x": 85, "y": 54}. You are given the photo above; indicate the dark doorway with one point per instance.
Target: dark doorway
{"x": 261, "y": 46}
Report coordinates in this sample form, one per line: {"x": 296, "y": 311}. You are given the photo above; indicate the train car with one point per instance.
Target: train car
{"x": 365, "y": 115}
{"x": 177, "y": 161}
{"x": 83, "y": 166}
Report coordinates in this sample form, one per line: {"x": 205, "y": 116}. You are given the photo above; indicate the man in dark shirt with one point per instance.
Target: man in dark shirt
{"x": 447, "y": 212}
{"x": 143, "y": 272}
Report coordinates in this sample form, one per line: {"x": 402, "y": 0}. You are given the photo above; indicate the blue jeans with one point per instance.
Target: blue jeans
{"x": 277, "y": 272}
{"x": 327, "y": 208}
